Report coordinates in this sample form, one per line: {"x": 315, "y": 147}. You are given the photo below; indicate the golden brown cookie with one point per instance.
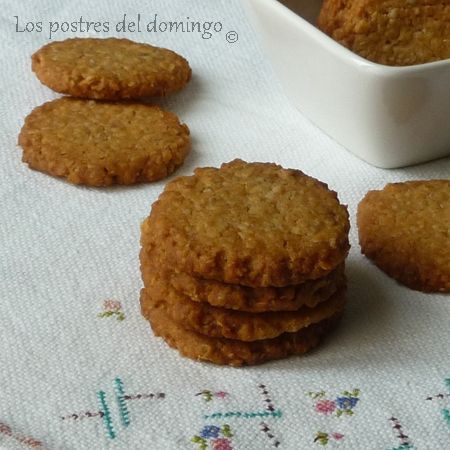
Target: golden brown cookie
{"x": 254, "y": 224}
{"x": 219, "y": 322}
{"x": 242, "y": 298}
{"x": 236, "y": 353}
{"x": 405, "y": 230}
{"x": 109, "y": 69}
{"x": 99, "y": 143}
{"x": 393, "y": 32}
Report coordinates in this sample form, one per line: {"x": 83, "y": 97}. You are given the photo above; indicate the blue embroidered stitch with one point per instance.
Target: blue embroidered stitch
{"x": 210, "y": 431}
{"x": 403, "y": 447}
{"x": 244, "y": 415}
{"x": 121, "y": 402}
{"x": 446, "y": 414}
{"x": 107, "y": 421}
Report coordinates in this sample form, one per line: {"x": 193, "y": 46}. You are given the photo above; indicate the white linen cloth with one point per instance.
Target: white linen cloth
{"x": 74, "y": 378}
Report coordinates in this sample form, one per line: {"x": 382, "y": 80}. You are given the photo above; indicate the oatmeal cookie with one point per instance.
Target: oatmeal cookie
{"x": 242, "y": 298}
{"x": 219, "y": 322}
{"x": 236, "y": 353}
{"x": 100, "y": 143}
{"x": 109, "y": 69}
{"x": 405, "y": 230}
{"x": 254, "y": 224}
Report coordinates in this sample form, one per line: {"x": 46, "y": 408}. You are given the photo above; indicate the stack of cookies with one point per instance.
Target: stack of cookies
{"x": 245, "y": 263}
{"x": 392, "y": 32}
{"x": 100, "y": 143}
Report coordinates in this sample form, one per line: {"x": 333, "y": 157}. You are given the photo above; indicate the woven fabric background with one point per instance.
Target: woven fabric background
{"x": 66, "y": 355}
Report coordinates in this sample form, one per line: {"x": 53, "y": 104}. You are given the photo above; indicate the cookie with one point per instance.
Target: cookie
{"x": 236, "y": 353}
{"x": 254, "y": 224}
{"x": 405, "y": 230}
{"x": 219, "y": 322}
{"x": 100, "y": 144}
{"x": 243, "y": 298}
{"x": 391, "y": 32}
{"x": 109, "y": 69}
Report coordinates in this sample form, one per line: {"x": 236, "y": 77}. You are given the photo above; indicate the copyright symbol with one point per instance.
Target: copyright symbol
{"x": 232, "y": 37}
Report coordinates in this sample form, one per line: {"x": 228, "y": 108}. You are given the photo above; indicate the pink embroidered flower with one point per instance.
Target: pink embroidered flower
{"x": 112, "y": 305}
{"x": 222, "y": 444}
{"x": 221, "y": 394}
{"x": 325, "y": 407}
{"x": 337, "y": 436}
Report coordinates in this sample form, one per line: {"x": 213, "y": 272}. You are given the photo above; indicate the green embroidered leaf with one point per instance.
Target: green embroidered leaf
{"x": 321, "y": 438}
{"x": 226, "y": 431}
{"x": 354, "y": 393}
{"x": 315, "y": 395}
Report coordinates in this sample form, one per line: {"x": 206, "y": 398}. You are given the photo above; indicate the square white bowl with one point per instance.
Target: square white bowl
{"x": 387, "y": 116}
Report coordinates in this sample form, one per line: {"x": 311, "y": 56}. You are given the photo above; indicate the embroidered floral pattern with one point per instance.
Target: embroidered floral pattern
{"x": 214, "y": 437}
{"x": 210, "y": 431}
{"x": 346, "y": 404}
{"x": 210, "y": 395}
{"x": 324, "y": 438}
{"x": 325, "y": 407}
{"x": 222, "y": 444}
{"x": 112, "y": 308}
{"x": 341, "y": 405}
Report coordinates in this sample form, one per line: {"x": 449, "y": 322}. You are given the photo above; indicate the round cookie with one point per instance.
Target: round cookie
{"x": 392, "y": 32}
{"x": 242, "y": 298}
{"x": 219, "y": 322}
{"x": 254, "y": 224}
{"x": 236, "y": 353}
{"x": 109, "y": 69}
{"x": 100, "y": 144}
{"x": 405, "y": 230}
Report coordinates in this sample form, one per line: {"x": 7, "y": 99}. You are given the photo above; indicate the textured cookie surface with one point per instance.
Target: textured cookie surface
{"x": 219, "y": 322}
{"x": 242, "y": 298}
{"x": 236, "y": 353}
{"x": 109, "y": 69}
{"x": 405, "y": 230}
{"x": 99, "y": 144}
{"x": 255, "y": 224}
{"x": 392, "y": 32}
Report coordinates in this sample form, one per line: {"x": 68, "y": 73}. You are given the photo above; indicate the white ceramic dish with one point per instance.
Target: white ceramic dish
{"x": 388, "y": 116}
